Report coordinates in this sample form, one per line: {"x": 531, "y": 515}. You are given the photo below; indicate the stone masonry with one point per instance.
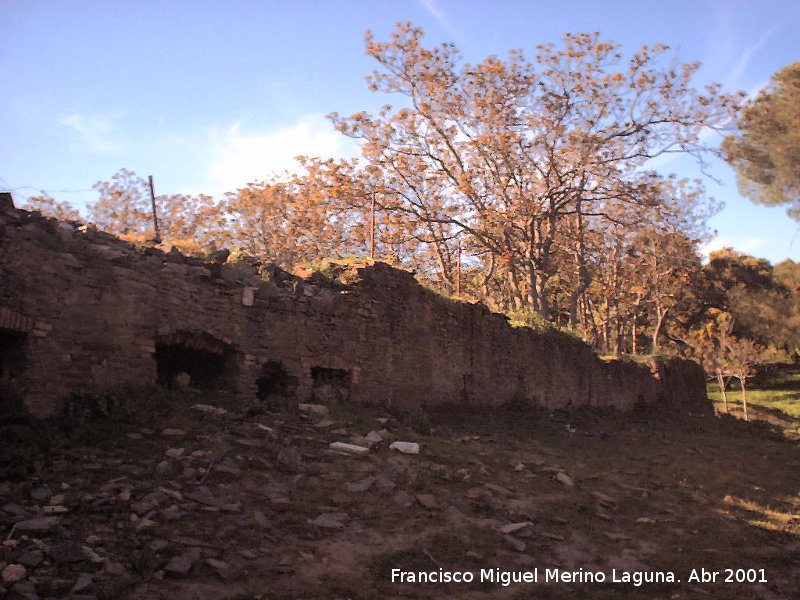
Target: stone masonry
{"x": 82, "y": 311}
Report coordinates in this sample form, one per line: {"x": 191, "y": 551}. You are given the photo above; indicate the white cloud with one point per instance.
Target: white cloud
{"x": 239, "y": 156}
{"x": 745, "y": 245}
{"x": 94, "y": 133}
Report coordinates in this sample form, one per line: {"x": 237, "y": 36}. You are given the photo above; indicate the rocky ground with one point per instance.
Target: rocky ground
{"x": 209, "y": 500}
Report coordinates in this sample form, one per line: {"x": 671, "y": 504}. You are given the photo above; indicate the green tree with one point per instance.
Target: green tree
{"x": 766, "y": 151}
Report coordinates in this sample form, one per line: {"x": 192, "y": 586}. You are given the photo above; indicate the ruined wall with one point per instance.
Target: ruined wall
{"x": 82, "y": 311}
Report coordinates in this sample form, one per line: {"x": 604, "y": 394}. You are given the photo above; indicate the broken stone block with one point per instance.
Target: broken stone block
{"x": 373, "y": 437}
{"x": 427, "y": 501}
{"x": 565, "y": 479}
{"x": 14, "y": 573}
{"x": 405, "y": 447}
{"x": 348, "y": 448}
{"x": 315, "y": 410}
{"x": 514, "y": 527}
{"x": 37, "y": 525}
{"x": 179, "y": 566}
{"x": 330, "y": 520}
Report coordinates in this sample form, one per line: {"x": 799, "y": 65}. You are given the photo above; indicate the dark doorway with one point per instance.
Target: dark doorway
{"x": 330, "y": 386}
{"x": 275, "y": 381}
{"x": 12, "y": 358}
{"x": 197, "y": 361}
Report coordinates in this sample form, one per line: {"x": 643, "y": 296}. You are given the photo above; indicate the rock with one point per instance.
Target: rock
{"x": 405, "y": 447}
{"x": 514, "y": 527}
{"x": 565, "y": 479}
{"x": 645, "y": 521}
{"x": 208, "y": 409}
{"x": 359, "y": 487}
{"x": 165, "y": 467}
{"x": 24, "y": 590}
{"x": 728, "y": 500}
{"x": 373, "y": 437}
{"x": 572, "y": 556}
{"x": 14, "y": 509}
{"x": 67, "y": 552}
{"x": 427, "y": 501}
{"x": 325, "y": 424}
{"x": 202, "y": 496}
{"x": 37, "y": 525}
{"x": 348, "y": 448}
{"x": 221, "y": 568}
{"x": 514, "y": 543}
{"x": 14, "y": 573}
{"x": 115, "y": 568}
{"x": 617, "y": 537}
{"x": 402, "y": 498}
{"x": 41, "y": 494}
{"x": 260, "y": 519}
{"x": 175, "y": 452}
{"x": 330, "y": 520}
{"x": 175, "y": 433}
{"x": 134, "y": 436}
{"x": 85, "y": 581}
{"x": 31, "y": 558}
{"x": 290, "y": 460}
{"x": 55, "y": 510}
{"x": 499, "y": 490}
{"x": 603, "y": 498}
{"x": 179, "y": 566}
{"x": 315, "y": 410}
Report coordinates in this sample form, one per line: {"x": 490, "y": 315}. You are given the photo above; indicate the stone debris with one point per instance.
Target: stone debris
{"x": 14, "y": 573}
{"x": 348, "y": 448}
{"x": 314, "y": 410}
{"x": 565, "y": 479}
{"x": 330, "y": 520}
{"x": 374, "y": 437}
{"x": 427, "y": 501}
{"x": 359, "y": 487}
{"x": 208, "y": 409}
{"x": 39, "y": 525}
{"x": 405, "y": 447}
{"x": 515, "y": 527}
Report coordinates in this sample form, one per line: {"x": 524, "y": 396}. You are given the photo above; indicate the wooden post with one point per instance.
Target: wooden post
{"x": 372, "y": 228}
{"x": 157, "y": 238}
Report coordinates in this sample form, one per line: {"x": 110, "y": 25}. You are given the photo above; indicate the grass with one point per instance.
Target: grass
{"x": 772, "y": 396}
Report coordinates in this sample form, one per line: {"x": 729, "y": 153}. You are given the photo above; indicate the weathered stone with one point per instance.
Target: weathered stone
{"x": 427, "y": 501}
{"x": 39, "y": 525}
{"x": 330, "y": 520}
{"x": 565, "y": 479}
{"x": 179, "y": 565}
{"x": 314, "y": 329}
{"x": 348, "y": 448}
{"x": 31, "y": 558}
{"x": 405, "y": 447}
{"x": 67, "y": 552}
{"x": 14, "y": 573}
{"x": 316, "y": 410}
{"x": 360, "y": 486}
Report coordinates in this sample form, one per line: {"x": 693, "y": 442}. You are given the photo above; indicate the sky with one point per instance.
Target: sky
{"x": 207, "y": 96}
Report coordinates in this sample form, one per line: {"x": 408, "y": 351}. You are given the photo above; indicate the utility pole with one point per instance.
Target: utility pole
{"x": 458, "y": 270}
{"x": 372, "y": 228}
{"x": 157, "y": 238}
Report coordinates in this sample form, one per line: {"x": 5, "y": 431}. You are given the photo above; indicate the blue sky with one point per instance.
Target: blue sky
{"x": 207, "y": 96}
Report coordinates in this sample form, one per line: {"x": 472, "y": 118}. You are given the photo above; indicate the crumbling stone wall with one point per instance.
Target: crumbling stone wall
{"x": 83, "y": 311}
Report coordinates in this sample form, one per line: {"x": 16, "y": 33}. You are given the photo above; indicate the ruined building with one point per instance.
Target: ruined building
{"x": 82, "y": 311}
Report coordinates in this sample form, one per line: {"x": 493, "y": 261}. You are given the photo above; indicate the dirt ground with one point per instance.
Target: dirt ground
{"x": 195, "y": 497}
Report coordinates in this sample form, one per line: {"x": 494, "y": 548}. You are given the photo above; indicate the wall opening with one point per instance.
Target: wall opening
{"x": 330, "y": 386}
{"x": 274, "y": 383}
{"x": 12, "y": 359}
{"x": 200, "y": 361}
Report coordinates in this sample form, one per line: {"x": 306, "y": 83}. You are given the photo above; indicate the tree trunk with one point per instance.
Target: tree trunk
{"x": 722, "y": 386}
{"x": 657, "y": 330}
{"x": 742, "y": 381}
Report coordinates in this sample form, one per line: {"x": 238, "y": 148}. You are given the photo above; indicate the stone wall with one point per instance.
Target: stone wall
{"x": 83, "y": 311}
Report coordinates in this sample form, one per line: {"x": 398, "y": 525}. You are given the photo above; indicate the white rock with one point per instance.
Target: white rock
{"x": 405, "y": 447}
{"x": 348, "y": 448}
